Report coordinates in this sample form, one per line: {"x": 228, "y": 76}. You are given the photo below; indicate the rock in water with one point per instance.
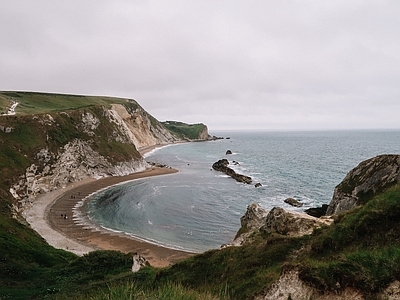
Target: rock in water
{"x": 228, "y": 152}
{"x": 293, "y": 202}
{"x": 222, "y": 166}
{"x": 369, "y": 178}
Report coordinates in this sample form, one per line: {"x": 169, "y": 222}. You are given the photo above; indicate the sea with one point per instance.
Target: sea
{"x": 198, "y": 209}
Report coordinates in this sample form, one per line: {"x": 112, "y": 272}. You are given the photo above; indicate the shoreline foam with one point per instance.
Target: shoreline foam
{"x": 46, "y": 216}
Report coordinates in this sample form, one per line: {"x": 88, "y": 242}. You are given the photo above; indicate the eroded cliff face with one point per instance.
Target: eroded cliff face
{"x": 87, "y": 143}
{"x": 142, "y": 129}
{"x": 204, "y": 134}
{"x": 369, "y": 178}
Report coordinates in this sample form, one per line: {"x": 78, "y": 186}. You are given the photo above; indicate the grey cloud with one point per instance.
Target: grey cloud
{"x": 230, "y": 64}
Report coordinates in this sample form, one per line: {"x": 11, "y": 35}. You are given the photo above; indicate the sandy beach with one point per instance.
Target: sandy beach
{"x": 47, "y": 217}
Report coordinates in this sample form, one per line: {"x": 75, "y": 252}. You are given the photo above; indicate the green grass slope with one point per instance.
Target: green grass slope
{"x": 39, "y": 103}
{"x": 185, "y": 131}
{"x": 361, "y": 250}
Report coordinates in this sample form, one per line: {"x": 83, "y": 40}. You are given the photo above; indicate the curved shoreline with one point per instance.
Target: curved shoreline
{"x": 74, "y": 235}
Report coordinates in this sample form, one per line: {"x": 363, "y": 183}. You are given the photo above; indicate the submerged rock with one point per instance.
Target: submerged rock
{"x": 293, "y": 202}
{"x": 369, "y": 178}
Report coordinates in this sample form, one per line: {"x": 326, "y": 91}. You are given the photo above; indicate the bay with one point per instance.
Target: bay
{"x": 198, "y": 209}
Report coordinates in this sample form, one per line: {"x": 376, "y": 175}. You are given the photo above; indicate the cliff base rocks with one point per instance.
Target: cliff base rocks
{"x": 317, "y": 211}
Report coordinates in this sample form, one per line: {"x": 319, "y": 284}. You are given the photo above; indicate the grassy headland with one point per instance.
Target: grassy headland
{"x": 183, "y": 130}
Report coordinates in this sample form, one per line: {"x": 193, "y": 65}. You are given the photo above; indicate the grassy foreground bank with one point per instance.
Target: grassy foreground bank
{"x": 361, "y": 250}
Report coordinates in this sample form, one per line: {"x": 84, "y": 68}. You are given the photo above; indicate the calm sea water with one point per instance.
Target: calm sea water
{"x": 199, "y": 209}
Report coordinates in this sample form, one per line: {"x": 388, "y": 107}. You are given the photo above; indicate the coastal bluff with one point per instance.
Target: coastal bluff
{"x": 370, "y": 178}
{"x": 58, "y": 139}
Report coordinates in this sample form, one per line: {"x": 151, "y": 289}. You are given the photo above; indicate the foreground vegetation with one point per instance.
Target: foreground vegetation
{"x": 361, "y": 249}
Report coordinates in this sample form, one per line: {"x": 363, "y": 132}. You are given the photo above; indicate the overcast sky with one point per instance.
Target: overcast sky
{"x": 229, "y": 64}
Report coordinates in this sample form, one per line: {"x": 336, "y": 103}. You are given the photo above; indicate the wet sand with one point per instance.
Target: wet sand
{"x": 46, "y": 216}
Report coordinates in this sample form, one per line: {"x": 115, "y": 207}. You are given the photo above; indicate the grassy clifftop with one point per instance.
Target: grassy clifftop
{"x": 186, "y": 131}
{"x": 38, "y": 103}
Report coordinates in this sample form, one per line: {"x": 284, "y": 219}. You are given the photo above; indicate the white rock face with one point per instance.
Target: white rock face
{"x": 138, "y": 262}
{"x": 89, "y": 123}
{"x": 292, "y": 223}
{"x": 138, "y": 126}
{"x": 204, "y": 134}
{"x": 289, "y": 286}
{"x": 277, "y": 220}
{"x": 77, "y": 160}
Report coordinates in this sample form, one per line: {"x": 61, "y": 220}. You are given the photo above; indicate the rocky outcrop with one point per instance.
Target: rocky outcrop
{"x": 251, "y": 222}
{"x": 290, "y": 286}
{"x": 222, "y": 166}
{"x": 277, "y": 220}
{"x": 369, "y": 178}
{"x": 138, "y": 262}
{"x": 254, "y": 217}
{"x": 291, "y": 223}
{"x": 317, "y": 211}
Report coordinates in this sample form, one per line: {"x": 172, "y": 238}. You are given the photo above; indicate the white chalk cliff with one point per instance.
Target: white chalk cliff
{"x": 80, "y": 158}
